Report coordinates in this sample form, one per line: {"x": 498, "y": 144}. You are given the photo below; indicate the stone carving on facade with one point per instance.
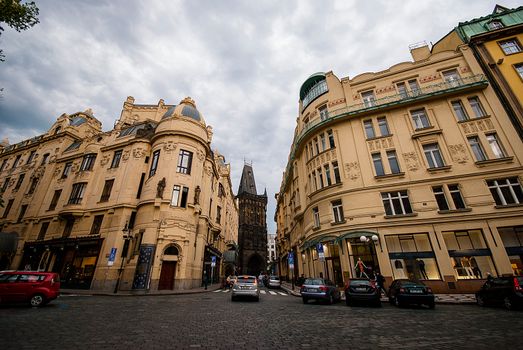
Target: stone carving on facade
{"x": 477, "y": 125}
{"x": 352, "y": 170}
{"x": 411, "y": 159}
{"x": 125, "y": 155}
{"x": 160, "y": 188}
{"x": 169, "y": 146}
{"x": 197, "y": 192}
{"x": 105, "y": 159}
{"x": 168, "y": 223}
{"x": 75, "y": 167}
{"x": 208, "y": 169}
{"x": 138, "y": 153}
{"x": 458, "y": 153}
{"x": 57, "y": 171}
{"x": 200, "y": 155}
{"x": 209, "y": 133}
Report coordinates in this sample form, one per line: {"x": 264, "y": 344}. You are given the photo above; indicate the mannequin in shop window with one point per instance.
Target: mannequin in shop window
{"x": 475, "y": 268}
{"x": 360, "y": 268}
{"x": 465, "y": 262}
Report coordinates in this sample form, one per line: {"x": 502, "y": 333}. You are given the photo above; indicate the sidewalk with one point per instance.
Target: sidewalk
{"x": 128, "y": 293}
{"x": 440, "y": 298}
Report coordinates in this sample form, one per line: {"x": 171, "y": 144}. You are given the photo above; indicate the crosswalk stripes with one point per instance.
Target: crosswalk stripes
{"x": 262, "y": 291}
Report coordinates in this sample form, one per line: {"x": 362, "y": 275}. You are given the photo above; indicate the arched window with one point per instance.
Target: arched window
{"x": 172, "y": 250}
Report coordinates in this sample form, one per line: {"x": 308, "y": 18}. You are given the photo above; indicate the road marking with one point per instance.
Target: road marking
{"x": 263, "y": 292}
{"x": 284, "y": 294}
{"x": 272, "y": 293}
{"x": 218, "y": 291}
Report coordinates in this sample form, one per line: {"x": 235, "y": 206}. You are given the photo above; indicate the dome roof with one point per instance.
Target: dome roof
{"x": 186, "y": 108}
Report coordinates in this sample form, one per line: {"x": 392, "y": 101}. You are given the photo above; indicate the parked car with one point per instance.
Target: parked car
{"x": 274, "y": 282}
{"x": 246, "y": 286}
{"x": 319, "y": 289}
{"x": 35, "y": 288}
{"x": 363, "y": 291}
{"x": 403, "y": 292}
{"x": 507, "y": 291}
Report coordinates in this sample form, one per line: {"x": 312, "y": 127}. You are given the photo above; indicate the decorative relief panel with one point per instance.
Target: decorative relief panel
{"x": 57, "y": 171}
{"x": 382, "y": 143}
{"x": 200, "y": 155}
{"x": 385, "y": 89}
{"x": 105, "y": 159}
{"x": 138, "y": 153}
{"x": 169, "y": 146}
{"x": 352, "y": 170}
{"x": 167, "y": 223}
{"x": 75, "y": 167}
{"x": 458, "y": 153}
{"x": 429, "y": 78}
{"x": 411, "y": 159}
{"x": 464, "y": 69}
{"x": 336, "y": 102}
{"x": 125, "y": 155}
{"x": 474, "y": 126}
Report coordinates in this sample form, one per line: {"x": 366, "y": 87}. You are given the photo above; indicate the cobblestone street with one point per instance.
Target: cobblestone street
{"x": 212, "y": 321}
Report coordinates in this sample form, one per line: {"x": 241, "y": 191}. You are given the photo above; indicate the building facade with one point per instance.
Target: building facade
{"x": 271, "y": 253}
{"x": 145, "y": 206}
{"x": 414, "y": 171}
{"x": 252, "y": 233}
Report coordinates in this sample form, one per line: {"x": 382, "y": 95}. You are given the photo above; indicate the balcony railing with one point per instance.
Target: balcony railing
{"x": 388, "y": 102}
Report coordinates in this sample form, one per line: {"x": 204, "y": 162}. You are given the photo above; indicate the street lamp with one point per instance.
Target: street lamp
{"x": 127, "y": 238}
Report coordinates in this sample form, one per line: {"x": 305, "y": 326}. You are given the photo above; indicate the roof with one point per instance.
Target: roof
{"x": 186, "y": 108}
{"x": 509, "y": 17}
{"x": 247, "y": 183}
{"x": 310, "y": 82}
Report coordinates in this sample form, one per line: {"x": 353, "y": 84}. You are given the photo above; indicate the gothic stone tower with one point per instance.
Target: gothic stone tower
{"x": 252, "y": 235}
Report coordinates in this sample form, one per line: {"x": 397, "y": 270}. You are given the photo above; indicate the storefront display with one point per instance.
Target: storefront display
{"x": 513, "y": 241}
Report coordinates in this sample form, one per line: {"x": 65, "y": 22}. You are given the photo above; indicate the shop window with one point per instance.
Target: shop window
{"x": 470, "y": 256}
{"x": 512, "y": 238}
{"x": 412, "y": 256}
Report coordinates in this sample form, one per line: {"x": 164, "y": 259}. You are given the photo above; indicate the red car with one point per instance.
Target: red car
{"x": 36, "y": 288}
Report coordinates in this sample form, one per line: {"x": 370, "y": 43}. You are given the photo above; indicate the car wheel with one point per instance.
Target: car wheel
{"x": 305, "y": 300}
{"x": 397, "y": 302}
{"x": 508, "y": 303}
{"x": 479, "y": 300}
{"x": 37, "y": 300}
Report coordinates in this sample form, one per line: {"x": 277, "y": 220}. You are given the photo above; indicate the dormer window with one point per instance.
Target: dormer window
{"x": 493, "y": 25}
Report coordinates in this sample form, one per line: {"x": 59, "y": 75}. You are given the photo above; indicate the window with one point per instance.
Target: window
{"x": 43, "y": 230}
{"x": 433, "y": 155}
{"x": 218, "y": 214}
{"x": 140, "y": 186}
{"x": 495, "y": 25}
{"x": 479, "y": 154}
{"x": 97, "y": 225}
{"x": 414, "y": 87}
{"x": 378, "y": 164}
{"x": 324, "y": 113}
{"x": 470, "y": 256}
{"x": 441, "y": 199}
{"x": 320, "y": 178}
{"x": 459, "y": 110}
{"x": 69, "y": 224}
{"x": 32, "y": 187}
{"x": 518, "y": 67}
{"x": 328, "y": 174}
{"x": 510, "y": 46}
{"x": 476, "y": 106}
{"x": 420, "y": 119}
{"x": 116, "y": 159}
{"x": 54, "y": 201}
{"x": 4, "y": 163}
{"x": 106, "y": 192}
{"x": 184, "y": 162}
{"x": 396, "y": 203}
{"x": 179, "y": 199}
{"x": 77, "y": 193}
{"x": 506, "y": 191}
{"x": 318, "y": 89}
{"x": 383, "y": 126}
{"x": 495, "y": 146}
{"x": 8, "y": 208}
{"x": 88, "y": 162}
{"x": 23, "y": 209}
{"x": 316, "y": 216}
{"x": 6, "y": 183}
{"x": 67, "y": 169}
{"x": 316, "y": 145}
{"x": 331, "y": 139}
{"x": 512, "y": 238}
{"x": 412, "y": 256}
{"x": 315, "y": 180}
{"x": 57, "y": 130}
{"x": 369, "y": 129}
{"x": 17, "y": 161}
{"x": 455, "y": 195}
{"x": 44, "y": 159}
{"x": 323, "y": 143}
{"x": 336, "y": 170}
{"x": 452, "y": 77}
{"x": 175, "y": 195}
{"x": 369, "y": 99}
{"x": 393, "y": 162}
{"x": 154, "y": 163}
{"x": 402, "y": 90}
{"x": 31, "y": 157}
{"x": 337, "y": 211}
{"x": 19, "y": 182}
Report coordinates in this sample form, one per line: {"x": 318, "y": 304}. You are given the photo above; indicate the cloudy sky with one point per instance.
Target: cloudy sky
{"x": 242, "y": 62}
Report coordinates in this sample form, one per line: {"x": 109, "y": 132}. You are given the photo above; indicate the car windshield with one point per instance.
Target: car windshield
{"x": 360, "y": 283}
{"x": 314, "y": 281}
{"x": 250, "y": 280}
{"x": 412, "y": 284}
{"x": 275, "y": 278}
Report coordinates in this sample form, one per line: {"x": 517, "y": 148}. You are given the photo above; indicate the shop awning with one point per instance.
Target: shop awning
{"x": 355, "y": 234}
{"x": 313, "y": 241}
{"x": 8, "y": 242}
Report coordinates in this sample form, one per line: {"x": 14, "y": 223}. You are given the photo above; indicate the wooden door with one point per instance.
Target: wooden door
{"x": 167, "y": 275}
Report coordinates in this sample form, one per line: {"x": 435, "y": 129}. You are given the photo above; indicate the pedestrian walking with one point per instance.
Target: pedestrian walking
{"x": 380, "y": 282}
{"x": 205, "y": 281}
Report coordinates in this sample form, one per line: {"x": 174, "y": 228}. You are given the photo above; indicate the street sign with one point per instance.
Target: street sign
{"x": 321, "y": 254}
{"x": 213, "y": 261}
{"x": 112, "y": 256}
{"x": 291, "y": 260}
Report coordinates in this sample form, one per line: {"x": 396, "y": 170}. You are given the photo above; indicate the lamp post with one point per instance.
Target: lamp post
{"x": 127, "y": 238}
{"x": 374, "y": 239}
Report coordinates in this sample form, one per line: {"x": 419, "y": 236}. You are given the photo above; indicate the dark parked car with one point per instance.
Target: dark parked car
{"x": 404, "y": 292}
{"x": 319, "y": 289}
{"x": 505, "y": 291}
{"x": 362, "y": 290}
{"x": 35, "y": 288}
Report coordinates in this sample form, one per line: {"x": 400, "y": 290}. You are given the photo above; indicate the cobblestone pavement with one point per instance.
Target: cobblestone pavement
{"x": 211, "y": 321}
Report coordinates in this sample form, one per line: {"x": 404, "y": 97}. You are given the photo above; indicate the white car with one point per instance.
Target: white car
{"x": 274, "y": 282}
{"x": 246, "y": 286}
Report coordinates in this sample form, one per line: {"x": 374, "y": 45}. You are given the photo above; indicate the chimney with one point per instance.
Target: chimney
{"x": 419, "y": 51}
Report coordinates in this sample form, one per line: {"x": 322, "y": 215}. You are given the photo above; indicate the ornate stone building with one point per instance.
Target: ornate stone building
{"x": 147, "y": 205}
{"x": 252, "y": 234}
{"x": 414, "y": 170}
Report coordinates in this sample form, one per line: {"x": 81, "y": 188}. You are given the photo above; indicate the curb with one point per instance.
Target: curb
{"x": 137, "y": 294}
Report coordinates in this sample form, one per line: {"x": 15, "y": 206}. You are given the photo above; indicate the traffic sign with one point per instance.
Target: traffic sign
{"x": 321, "y": 254}
{"x": 112, "y": 257}
{"x": 213, "y": 261}
{"x": 291, "y": 260}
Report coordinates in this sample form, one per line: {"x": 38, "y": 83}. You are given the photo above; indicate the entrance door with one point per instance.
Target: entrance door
{"x": 167, "y": 275}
